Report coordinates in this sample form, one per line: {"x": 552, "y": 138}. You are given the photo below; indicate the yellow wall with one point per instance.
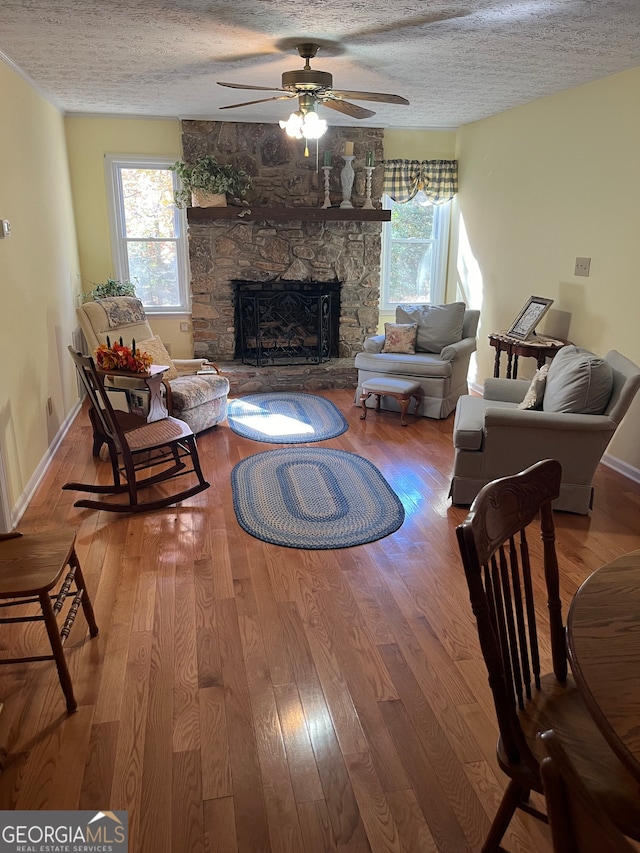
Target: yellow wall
{"x": 88, "y": 140}
{"x": 39, "y": 280}
{"x": 540, "y": 185}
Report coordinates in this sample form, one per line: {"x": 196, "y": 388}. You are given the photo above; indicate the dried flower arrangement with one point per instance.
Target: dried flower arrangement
{"x": 121, "y": 357}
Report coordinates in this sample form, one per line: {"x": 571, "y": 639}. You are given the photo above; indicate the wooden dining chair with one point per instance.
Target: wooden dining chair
{"x": 135, "y": 446}
{"x": 502, "y": 570}
{"x": 578, "y": 822}
{"x": 31, "y": 568}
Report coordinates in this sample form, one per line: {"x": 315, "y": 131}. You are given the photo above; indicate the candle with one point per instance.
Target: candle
{"x": 327, "y": 157}
{"x": 348, "y": 149}
{"x": 369, "y": 158}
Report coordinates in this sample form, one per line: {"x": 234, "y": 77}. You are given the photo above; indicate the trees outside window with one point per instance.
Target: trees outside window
{"x": 148, "y": 232}
{"x": 414, "y": 252}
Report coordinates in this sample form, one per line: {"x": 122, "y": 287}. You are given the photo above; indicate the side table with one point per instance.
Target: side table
{"x": 537, "y": 347}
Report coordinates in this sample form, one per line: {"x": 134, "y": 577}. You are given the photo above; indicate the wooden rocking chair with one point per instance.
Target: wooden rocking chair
{"x": 136, "y": 446}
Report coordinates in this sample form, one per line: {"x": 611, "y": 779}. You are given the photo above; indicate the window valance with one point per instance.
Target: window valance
{"x": 438, "y": 179}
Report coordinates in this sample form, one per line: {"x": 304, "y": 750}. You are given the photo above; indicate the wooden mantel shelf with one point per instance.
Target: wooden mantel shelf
{"x": 287, "y": 214}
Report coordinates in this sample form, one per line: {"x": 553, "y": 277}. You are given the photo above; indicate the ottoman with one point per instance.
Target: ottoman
{"x": 384, "y": 386}
{"x": 200, "y": 400}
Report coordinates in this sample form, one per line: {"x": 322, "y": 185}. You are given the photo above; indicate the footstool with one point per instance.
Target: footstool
{"x": 402, "y": 389}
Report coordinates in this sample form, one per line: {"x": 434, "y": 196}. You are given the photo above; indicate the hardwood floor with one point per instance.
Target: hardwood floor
{"x": 244, "y": 697}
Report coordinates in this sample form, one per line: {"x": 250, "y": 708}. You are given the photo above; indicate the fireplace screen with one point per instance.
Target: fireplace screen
{"x": 286, "y": 322}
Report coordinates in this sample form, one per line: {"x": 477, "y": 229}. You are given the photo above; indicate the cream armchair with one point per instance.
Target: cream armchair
{"x": 199, "y": 400}
{"x": 494, "y": 438}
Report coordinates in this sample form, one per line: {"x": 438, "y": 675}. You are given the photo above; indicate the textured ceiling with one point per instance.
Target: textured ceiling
{"x": 455, "y": 61}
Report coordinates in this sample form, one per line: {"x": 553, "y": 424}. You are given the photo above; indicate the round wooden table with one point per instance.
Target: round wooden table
{"x": 603, "y": 638}
{"x": 536, "y": 347}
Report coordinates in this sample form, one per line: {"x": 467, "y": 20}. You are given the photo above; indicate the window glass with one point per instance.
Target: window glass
{"x": 148, "y": 232}
{"x": 414, "y": 249}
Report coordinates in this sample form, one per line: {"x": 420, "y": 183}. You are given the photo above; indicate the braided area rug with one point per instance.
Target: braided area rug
{"x": 316, "y": 498}
{"x": 284, "y": 417}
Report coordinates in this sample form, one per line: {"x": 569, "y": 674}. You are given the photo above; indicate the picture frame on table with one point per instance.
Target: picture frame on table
{"x": 534, "y": 310}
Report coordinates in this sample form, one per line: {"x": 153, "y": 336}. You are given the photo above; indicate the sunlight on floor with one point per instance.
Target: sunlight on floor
{"x": 260, "y": 420}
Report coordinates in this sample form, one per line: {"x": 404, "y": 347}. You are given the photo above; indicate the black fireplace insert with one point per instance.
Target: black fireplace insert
{"x": 286, "y": 322}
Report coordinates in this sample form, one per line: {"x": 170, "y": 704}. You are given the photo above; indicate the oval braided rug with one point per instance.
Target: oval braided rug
{"x": 316, "y": 498}
{"x": 285, "y": 417}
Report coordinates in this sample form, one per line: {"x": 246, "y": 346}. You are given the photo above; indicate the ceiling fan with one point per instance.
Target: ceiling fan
{"x": 313, "y": 87}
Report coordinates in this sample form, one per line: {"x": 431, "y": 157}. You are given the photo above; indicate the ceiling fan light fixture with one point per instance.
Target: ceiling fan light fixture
{"x": 304, "y": 123}
{"x": 293, "y": 125}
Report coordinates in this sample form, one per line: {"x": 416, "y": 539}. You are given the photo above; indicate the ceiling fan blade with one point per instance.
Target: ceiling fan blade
{"x": 370, "y": 96}
{"x": 345, "y": 107}
{"x": 244, "y": 86}
{"x": 261, "y": 101}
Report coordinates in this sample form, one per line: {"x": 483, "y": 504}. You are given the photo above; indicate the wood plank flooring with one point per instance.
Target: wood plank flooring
{"x": 247, "y": 698}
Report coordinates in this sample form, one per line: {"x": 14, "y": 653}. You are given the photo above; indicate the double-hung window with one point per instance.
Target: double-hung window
{"x": 414, "y": 252}
{"x": 148, "y": 232}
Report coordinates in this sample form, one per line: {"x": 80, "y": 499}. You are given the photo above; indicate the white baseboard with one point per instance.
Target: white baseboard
{"x": 621, "y": 467}
{"x": 23, "y": 501}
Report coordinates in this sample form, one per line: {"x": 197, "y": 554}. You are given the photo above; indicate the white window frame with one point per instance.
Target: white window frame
{"x": 114, "y": 163}
{"x": 440, "y": 252}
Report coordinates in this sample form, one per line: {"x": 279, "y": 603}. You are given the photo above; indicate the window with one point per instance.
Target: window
{"x": 148, "y": 232}
{"x": 414, "y": 252}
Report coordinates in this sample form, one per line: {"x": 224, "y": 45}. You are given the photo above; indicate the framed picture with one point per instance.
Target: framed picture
{"x": 526, "y": 321}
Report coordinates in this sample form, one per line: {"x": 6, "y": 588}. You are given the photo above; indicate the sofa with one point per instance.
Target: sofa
{"x": 571, "y": 415}
{"x": 199, "y": 400}
{"x": 445, "y": 338}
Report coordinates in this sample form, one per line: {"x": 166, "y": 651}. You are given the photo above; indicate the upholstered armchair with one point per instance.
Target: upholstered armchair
{"x": 199, "y": 400}
{"x": 445, "y": 339}
{"x": 573, "y": 419}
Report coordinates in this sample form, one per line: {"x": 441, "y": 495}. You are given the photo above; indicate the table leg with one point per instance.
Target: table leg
{"x": 404, "y": 405}
{"x": 157, "y": 408}
{"x": 509, "y": 363}
{"x": 515, "y": 366}
{"x": 496, "y": 363}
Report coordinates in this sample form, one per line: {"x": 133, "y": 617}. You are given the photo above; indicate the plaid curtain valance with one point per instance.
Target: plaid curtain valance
{"x": 438, "y": 179}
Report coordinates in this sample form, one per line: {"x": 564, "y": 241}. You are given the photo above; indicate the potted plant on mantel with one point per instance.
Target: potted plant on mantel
{"x": 207, "y": 183}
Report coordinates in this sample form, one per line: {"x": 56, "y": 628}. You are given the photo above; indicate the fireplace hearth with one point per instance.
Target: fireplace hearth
{"x": 286, "y": 322}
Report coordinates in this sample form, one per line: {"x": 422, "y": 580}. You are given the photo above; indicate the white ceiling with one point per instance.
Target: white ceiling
{"x": 455, "y": 60}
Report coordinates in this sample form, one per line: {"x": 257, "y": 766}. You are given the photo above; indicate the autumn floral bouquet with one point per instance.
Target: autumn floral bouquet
{"x": 121, "y": 357}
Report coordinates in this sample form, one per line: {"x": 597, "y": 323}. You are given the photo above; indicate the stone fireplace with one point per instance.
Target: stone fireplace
{"x": 283, "y": 233}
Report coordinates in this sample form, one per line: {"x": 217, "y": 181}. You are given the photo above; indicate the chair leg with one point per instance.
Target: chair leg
{"x": 58, "y": 653}
{"x": 513, "y": 796}
{"x": 87, "y": 606}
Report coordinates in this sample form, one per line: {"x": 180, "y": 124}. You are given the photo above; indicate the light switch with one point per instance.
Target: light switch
{"x": 6, "y": 228}
{"x": 184, "y": 327}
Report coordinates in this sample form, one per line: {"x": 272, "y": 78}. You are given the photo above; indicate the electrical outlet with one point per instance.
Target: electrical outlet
{"x": 184, "y": 327}
{"x": 582, "y": 267}
{"x": 49, "y": 406}
{"x": 5, "y": 231}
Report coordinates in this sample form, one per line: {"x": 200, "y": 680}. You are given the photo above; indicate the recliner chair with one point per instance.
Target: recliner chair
{"x": 200, "y": 401}
{"x": 494, "y": 438}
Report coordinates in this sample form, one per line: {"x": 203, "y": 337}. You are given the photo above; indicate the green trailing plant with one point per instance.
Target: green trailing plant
{"x": 212, "y": 177}
{"x": 111, "y": 287}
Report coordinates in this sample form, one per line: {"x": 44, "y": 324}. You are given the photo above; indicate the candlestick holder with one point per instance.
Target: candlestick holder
{"x": 368, "y": 204}
{"x": 327, "y": 199}
{"x": 346, "y": 180}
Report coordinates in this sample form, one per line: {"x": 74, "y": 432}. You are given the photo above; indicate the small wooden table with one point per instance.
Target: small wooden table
{"x": 603, "y": 639}
{"x": 539, "y": 348}
{"x": 153, "y": 380}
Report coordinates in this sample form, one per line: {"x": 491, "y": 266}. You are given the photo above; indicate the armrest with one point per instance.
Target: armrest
{"x": 556, "y": 421}
{"x": 506, "y": 390}
{"x": 373, "y": 344}
{"x": 461, "y": 349}
{"x": 189, "y": 365}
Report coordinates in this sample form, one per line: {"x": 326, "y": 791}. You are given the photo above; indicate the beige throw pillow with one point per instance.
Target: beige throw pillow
{"x": 400, "y": 338}
{"x": 535, "y": 393}
{"x": 159, "y": 355}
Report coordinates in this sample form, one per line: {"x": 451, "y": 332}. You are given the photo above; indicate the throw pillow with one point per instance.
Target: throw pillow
{"x": 438, "y": 325}
{"x": 535, "y": 393}
{"x": 400, "y": 337}
{"x": 578, "y": 381}
{"x": 159, "y": 355}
